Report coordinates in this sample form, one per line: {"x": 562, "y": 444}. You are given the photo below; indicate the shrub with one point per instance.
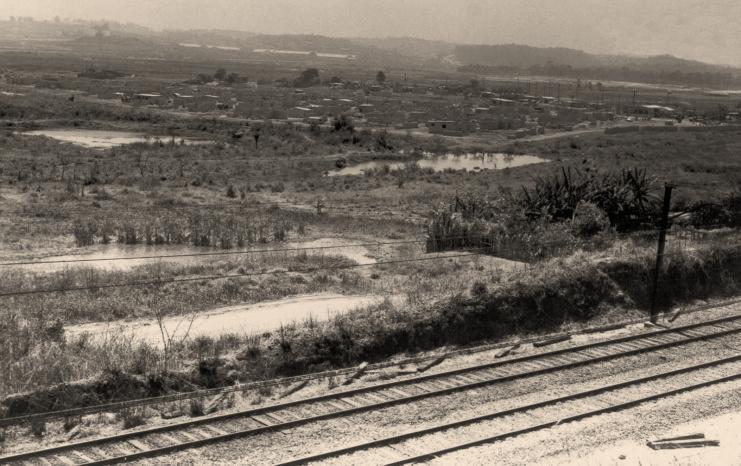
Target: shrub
{"x": 478, "y": 289}
{"x": 725, "y": 211}
{"x": 625, "y": 196}
{"x": 132, "y": 418}
{"x": 84, "y": 233}
{"x": 588, "y": 220}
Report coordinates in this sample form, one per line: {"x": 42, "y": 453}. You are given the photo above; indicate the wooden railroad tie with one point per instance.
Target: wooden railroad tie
{"x": 507, "y": 351}
{"x": 551, "y": 341}
{"x": 696, "y": 440}
{"x": 431, "y": 364}
{"x": 356, "y": 375}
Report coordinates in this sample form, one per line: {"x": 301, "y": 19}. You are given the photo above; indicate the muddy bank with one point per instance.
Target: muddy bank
{"x": 439, "y": 163}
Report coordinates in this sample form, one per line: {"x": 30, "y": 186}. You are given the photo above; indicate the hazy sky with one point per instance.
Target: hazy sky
{"x": 706, "y": 30}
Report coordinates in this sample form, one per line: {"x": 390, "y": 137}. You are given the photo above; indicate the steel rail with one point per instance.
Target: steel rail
{"x": 520, "y": 409}
{"x": 354, "y": 408}
{"x": 576, "y": 417}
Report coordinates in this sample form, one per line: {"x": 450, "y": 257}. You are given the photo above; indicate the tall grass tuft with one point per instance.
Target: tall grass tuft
{"x": 225, "y": 230}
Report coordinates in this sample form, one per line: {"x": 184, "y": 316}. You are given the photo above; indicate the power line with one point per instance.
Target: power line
{"x": 219, "y": 277}
{"x": 254, "y": 274}
{"x": 36, "y": 210}
{"x": 219, "y": 253}
{"x": 264, "y": 251}
{"x": 243, "y": 205}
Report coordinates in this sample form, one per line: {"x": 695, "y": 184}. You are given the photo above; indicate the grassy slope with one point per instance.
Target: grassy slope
{"x": 544, "y": 297}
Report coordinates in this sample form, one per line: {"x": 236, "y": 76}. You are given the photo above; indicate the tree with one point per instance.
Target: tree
{"x": 343, "y": 123}
{"x": 220, "y": 74}
{"x": 232, "y": 78}
{"x": 308, "y": 77}
{"x": 380, "y": 77}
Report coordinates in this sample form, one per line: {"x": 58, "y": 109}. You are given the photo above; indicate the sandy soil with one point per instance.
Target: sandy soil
{"x": 724, "y": 428}
{"x": 243, "y": 319}
{"x": 603, "y": 440}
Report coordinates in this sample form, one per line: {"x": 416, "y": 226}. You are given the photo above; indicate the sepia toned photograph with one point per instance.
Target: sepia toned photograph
{"x": 370, "y": 232}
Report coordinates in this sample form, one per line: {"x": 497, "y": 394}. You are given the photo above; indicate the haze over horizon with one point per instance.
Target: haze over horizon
{"x": 692, "y": 29}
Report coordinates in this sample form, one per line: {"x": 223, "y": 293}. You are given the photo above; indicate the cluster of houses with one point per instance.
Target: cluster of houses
{"x": 396, "y": 106}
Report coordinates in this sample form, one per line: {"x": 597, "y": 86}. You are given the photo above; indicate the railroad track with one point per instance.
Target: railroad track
{"x": 164, "y": 439}
{"x": 415, "y": 446}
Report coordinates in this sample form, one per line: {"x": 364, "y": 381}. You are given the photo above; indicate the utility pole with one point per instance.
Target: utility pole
{"x": 660, "y": 251}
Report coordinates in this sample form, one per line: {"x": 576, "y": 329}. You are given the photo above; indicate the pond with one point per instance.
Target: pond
{"x": 241, "y": 319}
{"x": 100, "y": 139}
{"x": 468, "y": 162}
{"x": 121, "y": 257}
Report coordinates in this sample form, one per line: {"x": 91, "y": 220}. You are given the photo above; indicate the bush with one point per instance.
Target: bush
{"x": 132, "y": 418}
{"x": 548, "y": 296}
{"x": 479, "y": 289}
{"x": 625, "y": 196}
{"x": 588, "y": 220}
{"x": 724, "y": 212}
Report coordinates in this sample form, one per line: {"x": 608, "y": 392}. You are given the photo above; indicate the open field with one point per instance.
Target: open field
{"x": 237, "y": 207}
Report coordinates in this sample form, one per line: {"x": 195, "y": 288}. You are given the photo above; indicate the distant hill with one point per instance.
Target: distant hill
{"x": 389, "y": 52}
{"x": 666, "y": 69}
{"x": 246, "y": 42}
{"x": 410, "y": 46}
{"x": 522, "y": 56}
{"x": 206, "y": 36}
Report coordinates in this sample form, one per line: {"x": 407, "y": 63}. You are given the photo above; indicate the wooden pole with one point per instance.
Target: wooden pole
{"x": 660, "y": 249}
